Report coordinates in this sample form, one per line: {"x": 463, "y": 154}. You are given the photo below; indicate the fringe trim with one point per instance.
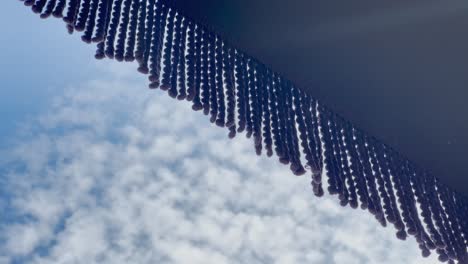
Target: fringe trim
{"x": 242, "y": 94}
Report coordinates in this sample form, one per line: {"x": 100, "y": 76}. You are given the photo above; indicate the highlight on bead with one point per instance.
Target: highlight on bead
{"x": 242, "y": 95}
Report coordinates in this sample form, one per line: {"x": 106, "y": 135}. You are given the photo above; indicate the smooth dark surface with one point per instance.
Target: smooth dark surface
{"x": 398, "y": 69}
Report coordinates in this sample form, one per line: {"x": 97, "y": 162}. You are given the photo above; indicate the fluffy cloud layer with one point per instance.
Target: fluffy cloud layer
{"x": 114, "y": 173}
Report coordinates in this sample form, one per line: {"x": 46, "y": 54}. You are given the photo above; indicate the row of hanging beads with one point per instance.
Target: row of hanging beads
{"x": 122, "y": 31}
{"x": 282, "y": 118}
{"x": 309, "y": 109}
{"x": 420, "y": 234}
{"x": 82, "y": 16}
{"x": 296, "y": 164}
{"x": 191, "y": 59}
{"x": 132, "y": 31}
{"x": 329, "y": 161}
{"x": 256, "y": 107}
{"x": 451, "y": 245}
{"x": 426, "y": 214}
{"x": 220, "y": 121}
{"x": 390, "y": 205}
{"x": 156, "y": 50}
{"x": 374, "y": 207}
{"x": 228, "y": 74}
{"x": 175, "y": 57}
{"x": 167, "y": 66}
{"x": 382, "y": 211}
{"x": 275, "y": 124}
{"x": 247, "y": 96}
{"x": 197, "y": 105}
{"x": 240, "y": 88}
{"x": 181, "y": 68}
{"x": 457, "y": 239}
{"x": 204, "y": 81}
{"x": 112, "y": 32}
{"x": 297, "y": 102}
{"x": 266, "y": 116}
{"x": 343, "y": 195}
{"x": 434, "y": 205}
{"x": 213, "y": 105}
{"x": 348, "y": 177}
{"x": 102, "y": 14}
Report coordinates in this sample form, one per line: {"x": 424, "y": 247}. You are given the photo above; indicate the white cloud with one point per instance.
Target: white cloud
{"x": 120, "y": 174}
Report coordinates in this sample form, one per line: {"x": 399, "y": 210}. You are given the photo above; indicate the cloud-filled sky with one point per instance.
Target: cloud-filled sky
{"x": 111, "y": 172}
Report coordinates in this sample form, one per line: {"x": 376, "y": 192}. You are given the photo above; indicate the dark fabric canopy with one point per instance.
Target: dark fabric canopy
{"x": 241, "y": 94}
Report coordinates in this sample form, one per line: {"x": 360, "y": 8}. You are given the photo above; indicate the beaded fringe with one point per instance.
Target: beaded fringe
{"x": 192, "y": 63}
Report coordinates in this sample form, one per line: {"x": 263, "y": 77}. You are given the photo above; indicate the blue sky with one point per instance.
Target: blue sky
{"x": 96, "y": 168}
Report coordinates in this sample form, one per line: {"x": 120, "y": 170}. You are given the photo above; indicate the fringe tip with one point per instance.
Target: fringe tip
{"x": 143, "y": 69}
{"x": 284, "y": 160}
{"x": 153, "y": 85}
{"x": 197, "y": 107}
{"x": 219, "y": 123}
{"x": 165, "y": 87}
{"x": 172, "y": 93}
{"x": 401, "y": 235}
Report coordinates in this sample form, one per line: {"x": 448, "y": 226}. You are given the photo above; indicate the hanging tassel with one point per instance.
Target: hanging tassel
{"x": 140, "y": 37}
{"x": 175, "y": 57}
{"x": 82, "y": 16}
{"x": 297, "y": 98}
{"x": 191, "y": 62}
{"x": 58, "y": 11}
{"x": 375, "y": 207}
{"x": 353, "y": 201}
{"x": 341, "y": 176}
{"x": 228, "y": 61}
{"x": 151, "y": 19}
{"x": 49, "y": 8}
{"x": 132, "y": 31}
{"x": 279, "y": 94}
{"x": 111, "y": 33}
{"x": 167, "y": 69}
{"x": 247, "y": 99}
{"x": 296, "y": 166}
{"x": 197, "y": 105}
{"x": 181, "y": 65}
{"x": 257, "y": 107}
{"x": 311, "y": 122}
{"x": 89, "y": 28}
{"x": 122, "y": 36}
{"x": 157, "y": 45}
{"x": 101, "y": 27}
{"x": 387, "y": 172}
{"x": 330, "y": 163}
{"x": 254, "y": 103}
{"x": 263, "y": 83}
{"x": 450, "y": 241}
{"x": 385, "y": 208}
{"x": 275, "y": 125}
{"x": 219, "y": 82}
{"x": 213, "y": 102}
{"x": 458, "y": 240}
{"x": 72, "y": 10}
{"x": 238, "y": 61}
{"x": 204, "y": 81}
